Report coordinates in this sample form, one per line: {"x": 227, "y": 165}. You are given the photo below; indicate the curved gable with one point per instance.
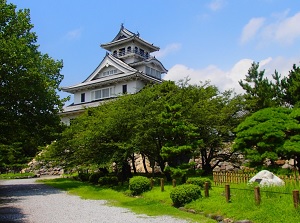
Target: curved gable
{"x": 110, "y": 66}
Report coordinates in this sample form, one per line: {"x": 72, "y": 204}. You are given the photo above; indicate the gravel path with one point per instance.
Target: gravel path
{"x": 27, "y": 201}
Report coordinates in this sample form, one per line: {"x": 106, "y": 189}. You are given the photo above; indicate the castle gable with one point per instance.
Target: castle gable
{"x": 110, "y": 66}
{"x": 123, "y": 34}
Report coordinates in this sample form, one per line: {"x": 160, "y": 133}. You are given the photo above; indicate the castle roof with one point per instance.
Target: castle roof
{"x": 124, "y": 36}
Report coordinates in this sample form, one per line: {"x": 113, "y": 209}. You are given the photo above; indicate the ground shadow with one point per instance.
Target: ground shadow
{"x": 11, "y": 214}
{"x": 14, "y": 190}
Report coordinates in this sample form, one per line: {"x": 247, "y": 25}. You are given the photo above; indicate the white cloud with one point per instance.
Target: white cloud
{"x": 167, "y": 50}
{"x": 287, "y": 30}
{"x": 280, "y": 29}
{"x": 229, "y": 79}
{"x": 74, "y": 34}
{"x": 216, "y": 5}
{"x": 210, "y": 73}
{"x": 250, "y": 30}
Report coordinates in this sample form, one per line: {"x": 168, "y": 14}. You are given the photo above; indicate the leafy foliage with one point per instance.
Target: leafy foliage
{"x": 94, "y": 177}
{"x": 108, "y": 181}
{"x": 29, "y": 81}
{"x": 167, "y": 123}
{"x": 291, "y": 84}
{"x": 139, "y": 185}
{"x": 263, "y": 93}
{"x": 184, "y": 194}
{"x": 260, "y": 91}
{"x": 269, "y": 133}
{"x": 84, "y": 177}
{"x": 200, "y": 181}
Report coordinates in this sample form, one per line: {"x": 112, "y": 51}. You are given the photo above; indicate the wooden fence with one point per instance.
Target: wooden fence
{"x": 223, "y": 177}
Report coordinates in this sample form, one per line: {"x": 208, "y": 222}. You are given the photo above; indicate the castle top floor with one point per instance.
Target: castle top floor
{"x": 129, "y": 47}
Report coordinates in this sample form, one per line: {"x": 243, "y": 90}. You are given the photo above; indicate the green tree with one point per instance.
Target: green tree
{"x": 204, "y": 111}
{"x": 149, "y": 137}
{"x": 291, "y": 84}
{"x": 29, "y": 80}
{"x": 167, "y": 123}
{"x": 270, "y": 133}
{"x": 260, "y": 91}
{"x": 215, "y": 115}
{"x": 182, "y": 140}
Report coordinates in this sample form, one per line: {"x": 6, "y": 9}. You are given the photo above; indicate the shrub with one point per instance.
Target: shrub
{"x": 139, "y": 184}
{"x": 83, "y": 176}
{"x": 184, "y": 194}
{"x": 199, "y": 181}
{"x": 94, "y": 177}
{"x": 108, "y": 181}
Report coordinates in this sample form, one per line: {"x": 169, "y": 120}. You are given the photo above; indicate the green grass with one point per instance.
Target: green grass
{"x": 15, "y": 175}
{"x": 152, "y": 203}
{"x": 276, "y": 203}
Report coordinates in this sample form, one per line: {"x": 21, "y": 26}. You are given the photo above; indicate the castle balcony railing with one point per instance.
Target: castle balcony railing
{"x": 122, "y": 54}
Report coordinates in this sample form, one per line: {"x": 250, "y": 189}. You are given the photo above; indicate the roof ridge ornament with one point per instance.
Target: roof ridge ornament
{"x": 122, "y": 25}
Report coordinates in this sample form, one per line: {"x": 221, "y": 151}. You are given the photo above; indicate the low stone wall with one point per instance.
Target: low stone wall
{"x": 40, "y": 168}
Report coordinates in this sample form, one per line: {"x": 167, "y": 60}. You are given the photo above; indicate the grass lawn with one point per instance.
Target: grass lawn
{"x": 15, "y": 175}
{"x": 276, "y": 203}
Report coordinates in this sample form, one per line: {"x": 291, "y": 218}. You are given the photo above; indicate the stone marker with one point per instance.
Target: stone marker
{"x": 267, "y": 178}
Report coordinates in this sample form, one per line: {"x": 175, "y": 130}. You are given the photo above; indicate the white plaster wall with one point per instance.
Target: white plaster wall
{"x": 139, "y": 85}
{"x": 132, "y": 87}
{"x": 77, "y": 98}
{"x": 66, "y": 119}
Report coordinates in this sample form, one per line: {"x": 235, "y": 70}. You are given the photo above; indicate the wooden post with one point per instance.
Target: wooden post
{"x": 174, "y": 183}
{"x": 257, "y": 195}
{"x": 227, "y": 193}
{"x": 206, "y": 189}
{"x": 151, "y": 182}
{"x": 296, "y": 198}
{"x": 162, "y": 184}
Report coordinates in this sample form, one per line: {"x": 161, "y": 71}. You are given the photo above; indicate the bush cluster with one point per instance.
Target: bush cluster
{"x": 83, "y": 176}
{"x": 94, "y": 177}
{"x": 184, "y": 194}
{"x": 199, "y": 181}
{"x": 139, "y": 184}
{"x": 108, "y": 181}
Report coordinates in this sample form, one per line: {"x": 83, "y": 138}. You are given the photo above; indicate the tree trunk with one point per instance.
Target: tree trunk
{"x": 133, "y": 163}
{"x": 206, "y": 167}
{"x": 125, "y": 172}
{"x": 297, "y": 158}
{"x": 144, "y": 164}
{"x": 166, "y": 173}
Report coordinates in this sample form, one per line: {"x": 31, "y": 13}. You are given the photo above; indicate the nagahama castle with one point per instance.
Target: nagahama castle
{"x": 126, "y": 68}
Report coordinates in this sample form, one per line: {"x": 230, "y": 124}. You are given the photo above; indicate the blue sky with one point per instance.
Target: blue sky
{"x": 214, "y": 40}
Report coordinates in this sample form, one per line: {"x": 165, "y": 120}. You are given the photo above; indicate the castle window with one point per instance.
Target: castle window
{"x": 83, "y": 97}
{"x": 152, "y": 72}
{"x": 136, "y": 50}
{"x": 142, "y": 52}
{"x": 124, "y": 88}
{"x": 121, "y": 37}
{"x": 109, "y": 72}
{"x": 129, "y": 49}
{"x": 102, "y": 93}
{"x": 105, "y": 93}
{"x": 115, "y": 53}
{"x": 148, "y": 70}
{"x": 121, "y": 51}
